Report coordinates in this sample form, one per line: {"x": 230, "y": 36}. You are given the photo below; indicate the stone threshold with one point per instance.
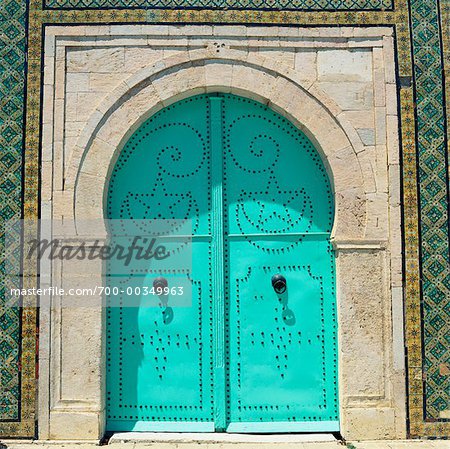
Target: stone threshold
{"x": 194, "y": 444}
{"x": 152, "y": 437}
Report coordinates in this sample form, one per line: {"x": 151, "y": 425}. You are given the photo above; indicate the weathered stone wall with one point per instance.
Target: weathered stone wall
{"x": 338, "y": 85}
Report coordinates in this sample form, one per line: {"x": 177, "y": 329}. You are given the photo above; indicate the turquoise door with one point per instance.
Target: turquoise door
{"x": 256, "y": 349}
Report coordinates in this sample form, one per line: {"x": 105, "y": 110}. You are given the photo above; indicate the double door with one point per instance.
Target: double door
{"x": 253, "y": 346}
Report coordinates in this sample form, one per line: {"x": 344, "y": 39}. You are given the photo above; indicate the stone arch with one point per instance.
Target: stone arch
{"x": 367, "y": 242}
{"x": 177, "y": 77}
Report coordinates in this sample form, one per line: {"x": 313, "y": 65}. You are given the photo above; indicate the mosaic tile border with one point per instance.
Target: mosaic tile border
{"x": 17, "y": 326}
{"x": 285, "y": 5}
{"x": 424, "y": 191}
{"x": 433, "y": 204}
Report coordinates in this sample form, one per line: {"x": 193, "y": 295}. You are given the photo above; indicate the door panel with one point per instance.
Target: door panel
{"x": 242, "y": 357}
{"x": 279, "y": 216}
{"x": 159, "y": 370}
{"x": 277, "y": 341}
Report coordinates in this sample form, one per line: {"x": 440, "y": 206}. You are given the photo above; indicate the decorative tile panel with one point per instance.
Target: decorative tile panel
{"x": 12, "y": 69}
{"x": 433, "y": 203}
{"x": 296, "y": 5}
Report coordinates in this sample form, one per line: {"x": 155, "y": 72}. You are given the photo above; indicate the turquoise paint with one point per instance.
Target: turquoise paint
{"x": 279, "y": 214}
{"x": 261, "y": 204}
{"x": 157, "y": 371}
{"x": 160, "y": 426}
{"x": 217, "y": 249}
{"x": 283, "y": 426}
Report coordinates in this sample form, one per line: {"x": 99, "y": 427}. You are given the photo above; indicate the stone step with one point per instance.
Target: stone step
{"x": 150, "y": 437}
{"x": 196, "y": 444}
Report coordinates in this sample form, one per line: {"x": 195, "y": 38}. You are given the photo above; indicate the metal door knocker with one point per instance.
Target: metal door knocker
{"x": 160, "y": 284}
{"x": 279, "y": 283}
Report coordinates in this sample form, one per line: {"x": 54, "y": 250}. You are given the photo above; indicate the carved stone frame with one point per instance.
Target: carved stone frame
{"x": 365, "y": 237}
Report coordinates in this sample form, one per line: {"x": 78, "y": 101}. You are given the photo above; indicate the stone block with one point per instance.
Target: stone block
{"x": 252, "y": 80}
{"x": 376, "y": 32}
{"x": 74, "y": 425}
{"x": 80, "y": 346}
{"x": 366, "y": 160}
{"x": 389, "y": 60}
{"x": 47, "y": 109}
{"x": 394, "y": 185}
{"x": 364, "y": 42}
{"x": 125, "y": 30}
{"x": 379, "y": 87}
{"x": 100, "y": 60}
{"x": 369, "y": 423}
{"x": 288, "y": 31}
{"x": 49, "y": 70}
{"x": 377, "y": 216}
{"x": 62, "y": 205}
{"x": 263, "y": 31}
{"x": 192, "y": 30}
{"x": 218, "y": 74}
{"x": 381, "y": 168}
{"x": 97, "y": 30}
{"x": 86, "y": 104}
{"x": 391, "y": 99}
{"x": 73, "y": 129}
{"x": 228, "y": 30}
{"x": 77, "y": 82}
{"x": 380, "y": 125}
{"x": 351, "y": 209}
{"x": 361, "y": 119}
{"x": 284, "y": 97}
{"x": 349, "y": 95}
{"x": 344, "y": 65}
{"x": 47, "y": 142}
{"x": 157, "y": 30}
{"x": 169, "y": 52}
{"x": 392, "y": 135}
{"x": 142, "y": 103}
{"x": 367, "y": 136}
{"x": 70, "y": 104}
{"x": 285, "y": 56}
{"x": 100, "y": 153}
{"x": 89, "y": 200}
{"x": 190, "y": 81}
{"x": 136, "y": 58}
{"x": 305, "y": 63}
{"x": 323, "y": 99}
{"x": 340, "y": 161}
{"x": 60, "y": 79}
{"x": 46, "y": 180}
{"x": 362, "y": 300}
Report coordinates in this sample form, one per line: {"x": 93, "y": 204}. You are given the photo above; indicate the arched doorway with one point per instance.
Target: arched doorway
{"x": 256, "y": 350}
